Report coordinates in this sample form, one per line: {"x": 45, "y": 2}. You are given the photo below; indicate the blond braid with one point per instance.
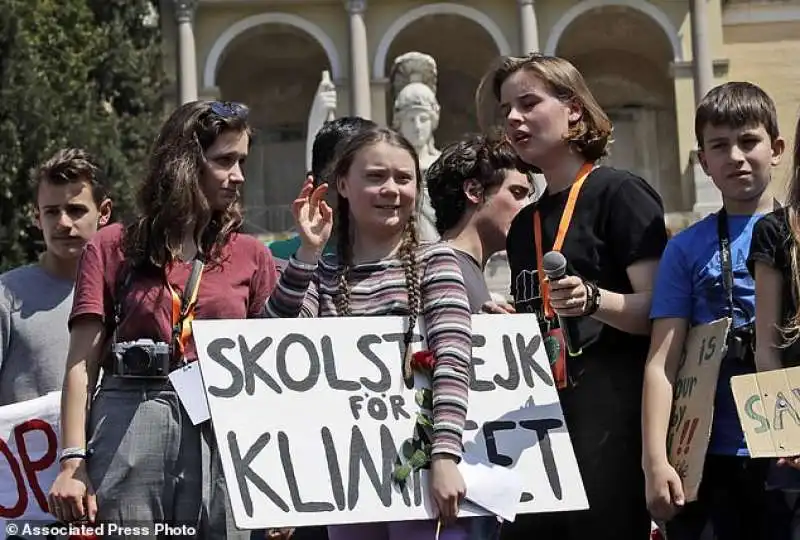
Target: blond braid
{"x": 408, "y": 254}
{"x": 345, "y": 254}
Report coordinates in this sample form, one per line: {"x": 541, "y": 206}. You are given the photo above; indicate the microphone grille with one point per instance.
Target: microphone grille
{"x": 554, "y": 263}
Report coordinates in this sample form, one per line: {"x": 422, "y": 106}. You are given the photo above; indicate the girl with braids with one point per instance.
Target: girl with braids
{"x": 381, "y": 269}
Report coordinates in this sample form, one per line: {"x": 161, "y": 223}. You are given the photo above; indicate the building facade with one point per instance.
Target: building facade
{"x": 648, "y": 62}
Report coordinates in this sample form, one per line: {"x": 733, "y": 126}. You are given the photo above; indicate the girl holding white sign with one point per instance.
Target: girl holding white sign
{"x": 381, "y": 269}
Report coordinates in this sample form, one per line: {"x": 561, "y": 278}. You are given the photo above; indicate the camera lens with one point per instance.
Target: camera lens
{"x": 138, "y": 360}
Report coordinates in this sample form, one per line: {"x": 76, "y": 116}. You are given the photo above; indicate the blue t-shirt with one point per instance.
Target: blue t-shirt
{"x": 689, "y": 286}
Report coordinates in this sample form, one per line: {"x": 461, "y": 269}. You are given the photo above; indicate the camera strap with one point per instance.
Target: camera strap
{"x": 183, "y": 309}
{"x": 726, "y": 262}
{"x": 123, "y": 281}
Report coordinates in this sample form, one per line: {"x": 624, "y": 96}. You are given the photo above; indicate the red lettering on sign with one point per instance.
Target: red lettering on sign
{"x": 22, "y": 493}
{"x": 41, "y": 464}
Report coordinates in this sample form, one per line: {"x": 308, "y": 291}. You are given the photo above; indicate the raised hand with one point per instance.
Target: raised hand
{"x": 313, "y": 219}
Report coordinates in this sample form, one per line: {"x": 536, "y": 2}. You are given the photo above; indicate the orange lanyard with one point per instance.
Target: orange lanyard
{"x": 183, "y": 312}
{"x": 563, "y": 227}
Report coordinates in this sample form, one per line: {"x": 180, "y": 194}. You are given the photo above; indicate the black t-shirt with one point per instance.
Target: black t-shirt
{"x": 771, "y": 245}
{"x": 618, "y": 220}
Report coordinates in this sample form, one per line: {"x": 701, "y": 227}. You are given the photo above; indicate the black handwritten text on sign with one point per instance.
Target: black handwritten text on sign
{"x": 310, "y": 414}
{"x": 250, "y": 369}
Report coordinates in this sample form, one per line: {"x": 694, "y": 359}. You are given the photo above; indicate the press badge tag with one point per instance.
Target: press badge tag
{"x": 556, "y": 349}
{"x": 188, "y": 384}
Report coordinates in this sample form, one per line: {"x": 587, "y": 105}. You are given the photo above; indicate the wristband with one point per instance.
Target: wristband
{"x": 72, "y": 453}
{"x": 592, "y": 298}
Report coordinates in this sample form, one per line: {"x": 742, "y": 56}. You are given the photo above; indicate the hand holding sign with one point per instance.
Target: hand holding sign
{"x": 501, "y": 308}
{"x": 314, "y": 220}
{"x": 279, "y": 534}
{"x": 447, "y": 487}
{"x": 72, "y": 497}
{"x": 793, "y": 462}
{"x": 664, "y": 491}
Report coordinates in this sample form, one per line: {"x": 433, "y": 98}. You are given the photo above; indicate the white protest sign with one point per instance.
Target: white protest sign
{"x": 29, "y": 433}
{"x": 309, "y": 415}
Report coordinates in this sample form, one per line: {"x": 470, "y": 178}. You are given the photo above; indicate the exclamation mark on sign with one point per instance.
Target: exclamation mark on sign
{"x": 686, "y": 441}
{"x": 691, "y": 432}
{"x": 684, "y": 430}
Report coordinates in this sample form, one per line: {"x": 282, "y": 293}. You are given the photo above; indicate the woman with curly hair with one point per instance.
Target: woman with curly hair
{"x": 132, "y": 455}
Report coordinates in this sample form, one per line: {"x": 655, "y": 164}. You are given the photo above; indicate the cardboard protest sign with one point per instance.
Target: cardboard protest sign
{"x": 310, "y": 414}
{"x": 29, "y": 445}
{"x": 693, "y": 402}
{"x": 768, "y": 404}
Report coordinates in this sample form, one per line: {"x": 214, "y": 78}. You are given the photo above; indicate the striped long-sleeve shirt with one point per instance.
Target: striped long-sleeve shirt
{"x": 380, "y": 289}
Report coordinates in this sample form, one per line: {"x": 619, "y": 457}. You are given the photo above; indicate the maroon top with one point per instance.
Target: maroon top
{"x": 237, "y": 288}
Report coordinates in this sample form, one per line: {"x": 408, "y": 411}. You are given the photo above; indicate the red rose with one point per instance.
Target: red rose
{"x": 422, "y": 360}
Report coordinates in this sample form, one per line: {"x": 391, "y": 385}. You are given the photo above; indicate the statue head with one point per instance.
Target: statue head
{"x": 416, "y": 109}
{"x": 416, "y": 114}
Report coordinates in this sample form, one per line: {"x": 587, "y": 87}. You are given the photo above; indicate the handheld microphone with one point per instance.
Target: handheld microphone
{"x": 554, "y": 265}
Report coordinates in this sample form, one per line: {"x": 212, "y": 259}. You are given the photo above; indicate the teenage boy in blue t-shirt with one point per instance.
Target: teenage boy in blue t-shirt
{"x": 737, "y": 133}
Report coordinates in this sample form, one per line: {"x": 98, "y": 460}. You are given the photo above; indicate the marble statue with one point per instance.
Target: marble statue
{"x": 323, "y": 109}
{"x": 416, "y": 116}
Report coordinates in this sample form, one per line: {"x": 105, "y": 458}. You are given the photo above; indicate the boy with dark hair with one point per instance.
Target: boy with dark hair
{"x": 323, "y": 153}
{"x": 35, "y": 300}
{"x": 703, "y": 277}
{"x": 476, "y": 187}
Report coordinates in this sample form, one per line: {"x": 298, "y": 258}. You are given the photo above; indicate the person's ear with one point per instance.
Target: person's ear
{"x": 575, "y": 111}
{"x": 474, "y": 191}
{"x": 105, "y": 213}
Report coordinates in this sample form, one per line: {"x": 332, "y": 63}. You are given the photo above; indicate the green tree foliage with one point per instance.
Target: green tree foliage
{"x": 82, "y": 73}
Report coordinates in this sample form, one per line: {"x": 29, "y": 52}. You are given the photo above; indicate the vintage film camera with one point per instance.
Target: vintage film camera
{"x": 142, "y": 358}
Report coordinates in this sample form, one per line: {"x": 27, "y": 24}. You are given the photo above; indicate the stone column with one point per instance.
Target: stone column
{"x": 703, "y": 67}
{"x": 360, "y": 102}
{"x": 529, "y": 27}
{"x": 707, "y": 196}
{"x": 187, "y": 56}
